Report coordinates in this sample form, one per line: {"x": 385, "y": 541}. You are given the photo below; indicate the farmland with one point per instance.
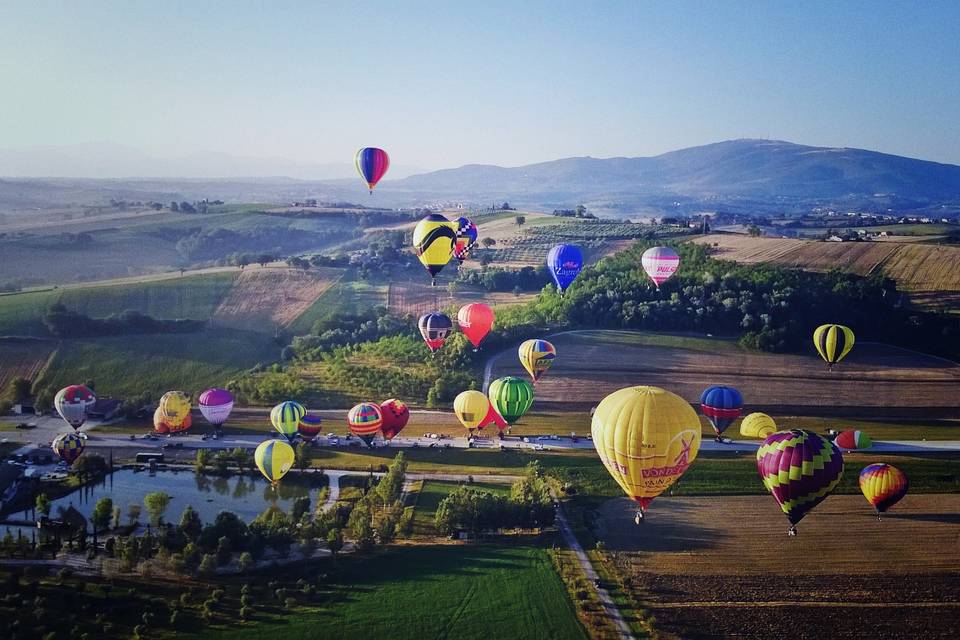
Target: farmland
{"x": 417, "y": 298}
{"x": 266, "y": 299}
{"x": 22, "y": 358}
{"x": 705, "y": 574}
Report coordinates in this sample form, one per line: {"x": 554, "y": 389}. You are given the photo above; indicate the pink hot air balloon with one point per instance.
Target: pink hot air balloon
{"x": 660, "y": 263}
{"x": 216, "y": 405}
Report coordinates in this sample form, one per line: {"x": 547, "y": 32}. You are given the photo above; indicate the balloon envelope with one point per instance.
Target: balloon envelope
{"x": 173, "y": 411}
{"x": 536, "y": 356}
{"x": 471, "y": 408}
{"x": 883, "y": 485}
{"x": 365, "y": 420}
{"x": 435, "y": 327}
{"x": 475, "y": 321}
{"x": 285, "y": 418}
{"x": 511, "y": 397}
{"x": 68, "y": 446}
{"x": 833, "y": 342}
{"x": 799, "y": 468}
{"x": 564, "y": 262}
{"x": 371, "y": 163}
{"x": 433, "y": 240}
{"x": 395, "y": 414}
{"x": 660, "y": 263}
{"x": 309, "y": 427}
{"x": 466, "y": 238}
{"x": 274, "y": 458}
{"x": 646, "y": 438}
{"x": 216, "y": 405}
{"x": 721, "y": 405}
{"x": 758, "y": 425}
{"x": 853, "y": 440}
{"x": 72, "y": 404}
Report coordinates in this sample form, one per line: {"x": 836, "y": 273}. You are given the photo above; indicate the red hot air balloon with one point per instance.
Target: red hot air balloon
{"x": 475, "y": 320}
{"x": 372, "y": 163}
{"x": 396, "y": 414}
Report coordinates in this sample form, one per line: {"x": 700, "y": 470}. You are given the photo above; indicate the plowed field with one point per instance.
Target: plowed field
{"x": 263, "y": 299}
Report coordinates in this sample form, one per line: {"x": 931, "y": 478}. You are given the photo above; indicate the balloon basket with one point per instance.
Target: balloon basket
{"x": 638, "y": 518}
{"x": 792, "y": 531}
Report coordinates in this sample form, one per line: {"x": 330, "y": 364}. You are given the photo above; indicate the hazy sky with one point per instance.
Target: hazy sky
{"x": 447, "y": 83}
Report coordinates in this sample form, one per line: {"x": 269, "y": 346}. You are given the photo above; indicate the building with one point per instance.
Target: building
{"x": 105, "y": 409}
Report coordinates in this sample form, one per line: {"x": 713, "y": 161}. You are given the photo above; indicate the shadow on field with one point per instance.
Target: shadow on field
{"x": 665, "y": 528}
{"x": 949, "y": 518}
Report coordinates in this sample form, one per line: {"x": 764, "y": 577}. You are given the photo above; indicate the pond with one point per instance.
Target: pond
{"x": 246, "y": 496}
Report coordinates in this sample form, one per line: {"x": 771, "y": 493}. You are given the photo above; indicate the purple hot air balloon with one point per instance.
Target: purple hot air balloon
{"x": 564, "y": 262}
{"x": 371, "y": 164}
{"x": 216, "y": 405}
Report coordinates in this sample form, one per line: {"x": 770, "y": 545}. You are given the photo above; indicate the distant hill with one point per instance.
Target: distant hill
{"x": 748, "y": 168}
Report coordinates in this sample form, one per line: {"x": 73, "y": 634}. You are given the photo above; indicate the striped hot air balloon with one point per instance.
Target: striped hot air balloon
{"x": 536, "y": 356}
{"x": 833, "y": 342}
{"x": 721, "y": 405}
{"x": 435, "y": 327}
{"x": 309, "y": 427}
{"x": 216, "y": 405}
{"x": 660, "y": 263}
{"x": 396, "y": 414}
{"x": 365, "y": 420}
{"x": 372, "y": 163}
{"x": 274, "y": 458}
{"x": 883, "y": 486}
{"x": 68, "y": 446}
{"x": 758, "y": 425}
{"x": 800, "y": 469}
{"x": 433, "y": 240}
{"x": 285, "y": 418}
{"x": 853, "y": 440}
{"x": 511, "y": 397}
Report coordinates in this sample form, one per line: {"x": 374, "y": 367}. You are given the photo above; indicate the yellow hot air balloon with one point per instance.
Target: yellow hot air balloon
{"x": 536, "y": 356}
{"x": 646, "y": 438}
{"x": 174, "y": 409}
{"x": 472, "y": 408}
{"x": 758, "y": 425}
{"x": 433, "y": 240}
{"x": 274, "y": 458}
{"x": 833, "y": 342}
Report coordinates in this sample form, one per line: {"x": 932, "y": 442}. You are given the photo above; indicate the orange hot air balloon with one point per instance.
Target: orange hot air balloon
{"x": 475, "y": 320}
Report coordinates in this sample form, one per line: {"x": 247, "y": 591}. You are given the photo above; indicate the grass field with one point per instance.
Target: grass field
{"x": 432, "y": 493}
{"x": 447, "y": 591}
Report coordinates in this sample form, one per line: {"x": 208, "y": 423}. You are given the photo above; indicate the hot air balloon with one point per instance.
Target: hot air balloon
{"x": 68, "y": 446}
{"x": 883, "y": 486}
{"x": 72, "y": 403}
{"x": 395, "y": 414}
{"x": 833, "y": 342}
{"x": 286, "y": 417}
{"x": 758, "y": 425}
{"x": 216, "y": 405}
{"x": 173, "y": 413}
{"x": 433, "y": 240}
{"x": 465, "y": 240}
{"x": 475, "y": 320}
{"x": 309, "y": 426}
{"x": 365, "y": 421}
{"x": 434, "y": 327}
{"x": 721, "y": 405}
{"x": 564, "y": 262}
{"x": 646, "y": 438}
{"x": 853, "y": 440}
{"x": 660, "y": 263}
{"x": 511, "y": 397}
{"x": 800, "y": 469}
{"x": 372, "y": 163}
{"x": 536, "y": 356}
{"x": 472, "y": 409}
{"x": 274, "y": 458}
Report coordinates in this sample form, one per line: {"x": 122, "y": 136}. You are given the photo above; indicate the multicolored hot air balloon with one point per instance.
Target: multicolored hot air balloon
{"x": 472, "y": 409}
{"x": 309, "y": 427}
{"x": 721, "y": 405}
{"x": 435, "y": 327}
{"x": 216, "y": 405}
{"x": 372, "y": 163}
{"x": 475, "y": 321}
{"x": 853, "y": 440}
{"x": 511, "y": 397}
{"x": 883, "y": 486}
{"x": 173, "y": 413}
{"x": 68, "y": 446}
{"x": 800, "y": 469}
{"x": 536, "y": 356}
{"x": 365, "y": 420}
{"x": 433, "y": 240}
{"x": 286, "y": 417}
{"x": 660, "y": 263}
{"x": 564, "y": 263}
{"x": 274, "y": 458}
{"x": 466, "y": 238}
{"x": 758, "y": 425}
{"x": 395, "y": 414}
{"x": 647, "y": 437}
{"x": 72, "y": 403}
{"x": 833, "y": 342}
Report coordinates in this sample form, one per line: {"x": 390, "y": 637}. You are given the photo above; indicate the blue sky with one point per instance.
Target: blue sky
{"x": 444, "y": 84}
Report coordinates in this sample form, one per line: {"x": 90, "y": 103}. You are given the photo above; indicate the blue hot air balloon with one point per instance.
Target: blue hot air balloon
{"x": 564, "y": 262}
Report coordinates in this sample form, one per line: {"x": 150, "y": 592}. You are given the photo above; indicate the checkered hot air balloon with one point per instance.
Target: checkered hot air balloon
{"x": 721, "y": 405}
{"x": 800, "y": 469}
{"x": 72, "y": 404}
{"x": 68, "y": 446}
{"x": 285, "y": 418}
{"x": 465, "y": 240}
{"x": 365, "y": 420}
{"x": 883, "y": 486}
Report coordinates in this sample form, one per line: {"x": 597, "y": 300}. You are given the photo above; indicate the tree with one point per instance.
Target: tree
{"x": 174, "y": 206}
{"x": 190, "y": 524}
{"x": 19, "y": 389}
{"x": 203, "y": 459}
{"x": 334, "y": 543}
{"x": 224, "y": 551}
{"x": 133, "y": 513}
{"x": 242, "y": 458}
{"x": 520, "y": 220}
{"x": 156, "y": 504}
{"x": 754, "y": 231}
{"x": 245, "y": 562}
{"x": 102, "y": 513}
{"x": 43, "y": 504}
{"x": 207, "y": 565}
{"x": 581, "y": 211}
{"x": 300, "y": 507}
{"x": 90, "y": 465}
{"x": 488, "y": 242}
{"x": 452, "y": 288}
{"x": 302, "y": 456}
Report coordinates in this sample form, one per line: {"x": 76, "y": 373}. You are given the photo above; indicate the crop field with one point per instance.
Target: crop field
{"x": 264, "y": 299}
{"x": 434, "y": 591}
{"x": 724, "y": 567}
{"x": 874, "y": 381}
{"x": 417, "y": 298}
{"x": 23, "y": 358}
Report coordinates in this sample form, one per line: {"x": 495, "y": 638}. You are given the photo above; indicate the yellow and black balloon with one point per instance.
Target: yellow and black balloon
{"x": 433, "y": 240}
{"x": 833, "y": 342}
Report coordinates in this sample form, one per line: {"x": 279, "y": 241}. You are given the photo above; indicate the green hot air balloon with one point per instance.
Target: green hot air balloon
{"x": 511, "y": 397}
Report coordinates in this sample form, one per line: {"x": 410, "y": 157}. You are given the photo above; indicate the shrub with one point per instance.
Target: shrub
{"x": 290, "y": 603}
{"x": 246, "y": 613}
{"x": 244, "y": 563}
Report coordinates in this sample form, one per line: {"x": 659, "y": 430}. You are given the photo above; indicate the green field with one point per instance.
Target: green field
{"x": 449, "y": 591}
{"x": 350, "y": 294}
{"x": 433, "y": 492}
{"x": 20, "y": 313}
